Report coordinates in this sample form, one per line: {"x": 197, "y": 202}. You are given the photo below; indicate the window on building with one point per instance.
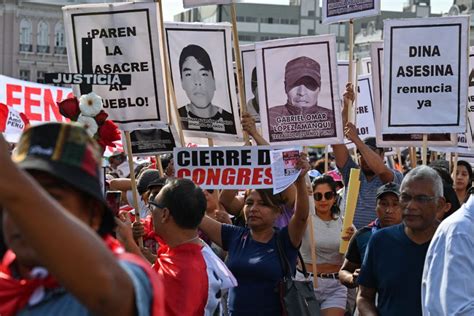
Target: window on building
{"x": 59, "y": 39}
{"x": 25, "y": 36}
{"x": 42, "y": 45}
{"x": 251, "y": 19}
{"x": 24, "y": 74}
{"x": 311, "y": 32}
{"x": 311, "y": 13}
{"x": 247, "y": 38}
{"x": 40, "y": 76}
{"x": 284, "y": 21}
{"x": 294, "y": 21}
{"x": 269, "y": 20}
{"x": 240, "y": 18}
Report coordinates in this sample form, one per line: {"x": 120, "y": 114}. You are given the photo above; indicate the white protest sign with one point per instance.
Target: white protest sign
{"x": 470, "y": 98}
{"x": 284, "y": 171}
{"x": 225, "y": 167}
{"x": 36, "y": 101}
{"x": 12, "y": 123}
{"x": 298, "y": 91}
{"x": 200, "y": 57}
{"x": 249, "y": 72}
{"x": 120, "y": 38}
{"x": 344, "y": 10}
{"x": 425, "y": 77}
{"x": 197, "y": 3}
{"x": 463, "y": 145}
{"x": 397, "y": 140}
{"x": 364, "y": 109}
{"x": 343, "y": 75}
{"x": 366, "y": 65}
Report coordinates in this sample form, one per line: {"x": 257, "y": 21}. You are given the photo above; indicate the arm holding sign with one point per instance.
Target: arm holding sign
{"x": 341, "y": 152}
{"x": 372, "y": 157}
{"x": 248, "y": 125}
{"x": 231, "y": 201}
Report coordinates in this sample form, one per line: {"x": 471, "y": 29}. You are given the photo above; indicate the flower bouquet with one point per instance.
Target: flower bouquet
{"x": 87, "y": 110}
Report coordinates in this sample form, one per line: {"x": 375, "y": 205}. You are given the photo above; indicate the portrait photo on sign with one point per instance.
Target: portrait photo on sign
{"x": 201, "y": 69}
{"x": 249, "y": 70}
{"x": 298, "y": 91}
{"x": 153, "y": 141}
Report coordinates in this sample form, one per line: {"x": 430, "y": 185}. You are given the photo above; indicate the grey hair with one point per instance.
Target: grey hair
{"x": 425, "y": 173}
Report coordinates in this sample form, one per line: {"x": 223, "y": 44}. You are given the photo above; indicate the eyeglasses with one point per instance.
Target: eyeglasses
{"x": 327, "y": 196}
{"x": 422, "y": 199}
{"x": 153, "y": 204}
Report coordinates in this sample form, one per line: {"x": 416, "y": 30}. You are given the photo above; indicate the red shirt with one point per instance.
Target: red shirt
{"x": 184, "y": 274}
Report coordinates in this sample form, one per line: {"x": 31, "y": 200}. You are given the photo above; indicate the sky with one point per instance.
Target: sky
{"x": 172, "y": 7}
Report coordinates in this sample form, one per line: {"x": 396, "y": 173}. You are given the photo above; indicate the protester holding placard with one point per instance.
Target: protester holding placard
{"x": 58, "y": 228}
{"x": 462, "y": 180}
{"x": 327, "y": 226}
{"x": 374, "y": 171}
{"x": 257, "y": 292}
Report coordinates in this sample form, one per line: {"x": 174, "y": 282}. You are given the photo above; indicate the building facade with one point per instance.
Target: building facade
{"x": 261, "y": 22}
{"x": 32, "y": 39}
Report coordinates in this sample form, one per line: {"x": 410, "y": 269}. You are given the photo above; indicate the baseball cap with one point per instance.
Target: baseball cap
{"x": 299, "y": 68}
{"x": 65, "y": 151}
{"x": 390, "y": 187}
{"x": 145, "y": 179}
{"x": 158, "y": 182}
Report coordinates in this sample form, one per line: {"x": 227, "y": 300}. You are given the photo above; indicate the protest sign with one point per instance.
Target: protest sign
{"x": 463, "y": 145}
{"x": 12, "y": 123}
{"x": 225, "y": 167}
{"x": 344, "y": 10}
{"x": 284, "y": 171}
{"x": 397, "y": 140}
{"x": 36, "y": 101}
{"x": 298, "y": 91}
{"x": 425, "y": 77}
{"x": 119, "y": 38}
{"x": 365, "y": 108}
{"x": 249, "y": 71}
{"x": 366, "y": 65}
{"x": 201, "y": 70}
{"x": 343, "y": 75}
{"x": 197, "y": 3}
{"x": 146, "y": 142}
{"x": 470, "y": 98}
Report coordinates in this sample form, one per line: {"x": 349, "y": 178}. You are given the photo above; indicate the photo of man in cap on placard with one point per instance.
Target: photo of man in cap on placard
{"x": 301, "y": 117}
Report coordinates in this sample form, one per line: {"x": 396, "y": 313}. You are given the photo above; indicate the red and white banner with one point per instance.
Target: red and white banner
{"x": 37, "y": 101}
{"x": 12, "y": 123}
{"x": 246, "y": 167}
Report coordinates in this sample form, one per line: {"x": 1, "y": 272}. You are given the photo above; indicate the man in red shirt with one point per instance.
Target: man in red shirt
{"x": 176, "y": 212}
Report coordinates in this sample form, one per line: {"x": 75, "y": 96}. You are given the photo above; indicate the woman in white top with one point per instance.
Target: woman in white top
{"x": 327, "y": 227}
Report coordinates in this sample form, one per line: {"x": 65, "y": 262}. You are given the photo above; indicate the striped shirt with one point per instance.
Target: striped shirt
{"x": 366, "y": 202}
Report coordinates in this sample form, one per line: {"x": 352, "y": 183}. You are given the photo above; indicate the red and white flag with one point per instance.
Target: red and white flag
{"x": 12, "y": 123}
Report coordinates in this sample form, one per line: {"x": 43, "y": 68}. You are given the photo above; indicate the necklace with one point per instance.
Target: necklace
{"x": 189, "y": 240}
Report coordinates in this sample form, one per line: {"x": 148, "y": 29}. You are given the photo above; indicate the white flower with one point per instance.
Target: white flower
{"x": 90, "y": 104}
{"x": 89, "y": 124}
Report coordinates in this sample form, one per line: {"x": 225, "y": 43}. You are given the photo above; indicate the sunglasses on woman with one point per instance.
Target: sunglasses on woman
{"x": 327, "y": 196}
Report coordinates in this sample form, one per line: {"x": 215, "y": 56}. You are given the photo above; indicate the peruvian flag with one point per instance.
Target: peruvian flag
{"x": 12, "y": 123}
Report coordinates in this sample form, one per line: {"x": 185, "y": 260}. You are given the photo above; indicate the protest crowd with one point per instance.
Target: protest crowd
{"x": 274, "y": 227}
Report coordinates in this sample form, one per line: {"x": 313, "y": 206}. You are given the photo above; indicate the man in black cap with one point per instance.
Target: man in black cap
{"x": 57, "y": 226}
{"x": 389, "y": 213}
{"x": 374, "y": 172}
{"x": 301, "y": 113}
